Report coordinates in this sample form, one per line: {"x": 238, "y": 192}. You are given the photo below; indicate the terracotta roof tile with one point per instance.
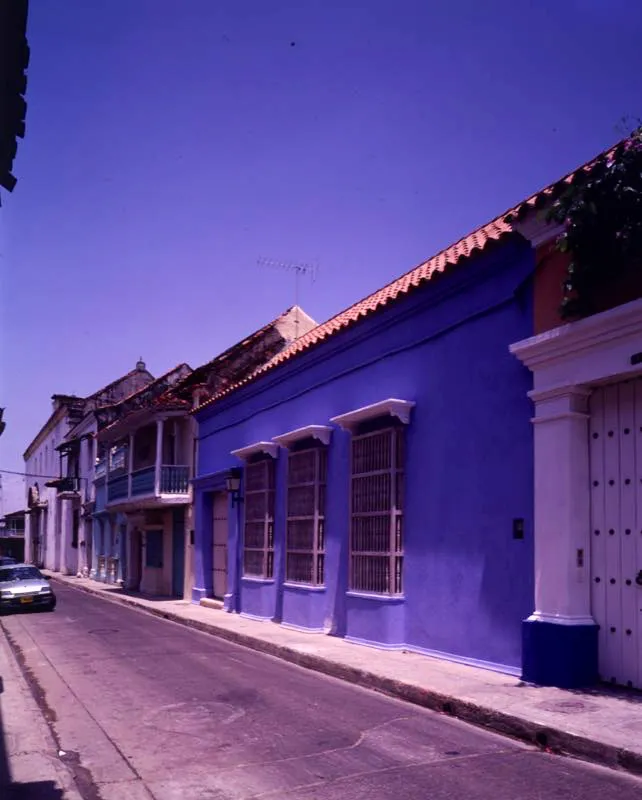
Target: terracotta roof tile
{"x": 473, "y": 243}
{"x": 539, "y": 199}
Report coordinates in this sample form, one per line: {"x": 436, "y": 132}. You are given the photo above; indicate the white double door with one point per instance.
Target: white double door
{"x": 615, "y": 442}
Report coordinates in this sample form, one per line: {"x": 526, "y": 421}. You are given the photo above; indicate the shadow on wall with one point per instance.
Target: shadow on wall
{"x": 9, "y": 790}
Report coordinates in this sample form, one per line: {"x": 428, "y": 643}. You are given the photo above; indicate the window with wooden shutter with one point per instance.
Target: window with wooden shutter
{"x": 376, "y": 518}
{"x": 305, "y": 545}
{"x": 258, "y": 539}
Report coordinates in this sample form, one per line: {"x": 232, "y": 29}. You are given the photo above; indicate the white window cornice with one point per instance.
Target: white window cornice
{"x": 320, "y": 432}
{"x": 269, "y": 448}
{"x": 392, "y": 407}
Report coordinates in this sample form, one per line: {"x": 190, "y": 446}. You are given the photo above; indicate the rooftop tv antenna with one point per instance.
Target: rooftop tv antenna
{"x": 300, "y": 269}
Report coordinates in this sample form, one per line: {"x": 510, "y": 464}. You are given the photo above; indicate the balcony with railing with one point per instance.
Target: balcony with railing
{"x": 174, "y": 479}
{"x": 165, "y": 482}
{"x": 146, "y": 465}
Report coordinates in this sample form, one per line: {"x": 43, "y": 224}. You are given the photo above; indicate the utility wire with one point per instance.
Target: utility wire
{"x": 33, "y": 475}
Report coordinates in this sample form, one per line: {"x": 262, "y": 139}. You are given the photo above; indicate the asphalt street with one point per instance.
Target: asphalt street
{"x": 145, "y": 708}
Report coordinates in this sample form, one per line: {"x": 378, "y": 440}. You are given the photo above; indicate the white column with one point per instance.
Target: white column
{"x": 81, "y": 566}
{"x": 130, "y": 464}
{"x": 29, "y": 525}
{"x": 82, "y": 471}
{"x": 66, "y": 522}
{"x": 51, "y": 541}
{"x": 562, "y": 506}
{"x": 159, "y": 455}
{"x": 43, "y": 523}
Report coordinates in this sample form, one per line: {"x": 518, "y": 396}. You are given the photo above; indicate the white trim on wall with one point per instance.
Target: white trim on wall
{"x": 567, "y": 362}
{"x": 392, "y": 407}
{"x": 270, "y": 448}
{"x": 320, "y": 432}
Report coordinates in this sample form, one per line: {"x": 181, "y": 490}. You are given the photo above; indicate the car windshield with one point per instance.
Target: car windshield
{"x": 19, "y": 574}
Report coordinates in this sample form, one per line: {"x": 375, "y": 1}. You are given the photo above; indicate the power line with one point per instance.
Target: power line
{"x": 29, "y": 474}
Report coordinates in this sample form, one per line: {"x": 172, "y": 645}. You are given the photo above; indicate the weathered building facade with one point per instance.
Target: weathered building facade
{"x": 59, "y": 508}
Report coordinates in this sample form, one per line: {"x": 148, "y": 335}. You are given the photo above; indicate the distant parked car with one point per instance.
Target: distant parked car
{"x": 6, "y": 560}
{"x": 23, "y": 586}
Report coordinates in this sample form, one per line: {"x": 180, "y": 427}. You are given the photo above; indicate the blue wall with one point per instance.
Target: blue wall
{"x": 108, "y": 541}
{"x": 468, "y": 582}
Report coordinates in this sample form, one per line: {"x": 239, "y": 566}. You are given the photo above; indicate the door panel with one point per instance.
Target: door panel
{"x": 219, "y": 555}
{"x": 616, "y": 530}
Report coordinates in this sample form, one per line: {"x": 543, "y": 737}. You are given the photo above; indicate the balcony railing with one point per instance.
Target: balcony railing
{"x": 174, "y": 480}
{"x": 101, "y": 496}
{"x": 118, "y": 488}
{"x": 119, "y": 458}
{"x": 101, "y": 468}
{"x": 143, "y": 481}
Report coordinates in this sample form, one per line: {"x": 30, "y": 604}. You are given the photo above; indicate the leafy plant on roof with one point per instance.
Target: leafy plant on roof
{"x": 602, "y": 217}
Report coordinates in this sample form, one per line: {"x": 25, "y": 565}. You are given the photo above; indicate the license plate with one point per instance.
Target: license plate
{"x": 26, "y": 599}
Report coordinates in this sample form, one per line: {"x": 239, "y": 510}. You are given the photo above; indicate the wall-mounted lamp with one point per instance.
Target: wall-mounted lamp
{"x": 233, "y": 485}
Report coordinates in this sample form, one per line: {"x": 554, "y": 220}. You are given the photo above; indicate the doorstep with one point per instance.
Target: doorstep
{"x": 597, "y": 725}
{"x": 211, "y": 602}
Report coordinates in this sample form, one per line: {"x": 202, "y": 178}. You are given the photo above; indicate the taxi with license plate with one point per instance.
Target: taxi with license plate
{"x": 24, "y": 587}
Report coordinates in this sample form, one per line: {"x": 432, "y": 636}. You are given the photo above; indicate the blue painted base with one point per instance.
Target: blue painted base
{"x": 375, "y": 618}
{"x": 559, "y": 655}
{"x": 198, "y": 594}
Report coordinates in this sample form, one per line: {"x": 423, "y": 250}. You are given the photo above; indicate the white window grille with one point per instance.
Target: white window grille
{"x": 258, "y": 540}
{"x": 305, "y": 545}
{"x": 376, "y": 524}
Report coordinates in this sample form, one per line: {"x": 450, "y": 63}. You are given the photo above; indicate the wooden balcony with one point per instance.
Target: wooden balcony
{"x": 167, "y": 483}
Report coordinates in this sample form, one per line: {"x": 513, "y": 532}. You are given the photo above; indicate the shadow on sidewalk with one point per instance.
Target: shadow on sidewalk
{"x": 113, "y": 589}
{"x": 108, "y": 588}
{"x": 9, "y": 790}
{"x": 613, "y": 691}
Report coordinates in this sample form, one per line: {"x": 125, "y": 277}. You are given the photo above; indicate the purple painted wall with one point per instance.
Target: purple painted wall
{"x": 467, "y": 581}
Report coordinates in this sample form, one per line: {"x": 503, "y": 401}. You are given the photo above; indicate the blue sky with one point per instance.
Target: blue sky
{"x": 173, "y": 143}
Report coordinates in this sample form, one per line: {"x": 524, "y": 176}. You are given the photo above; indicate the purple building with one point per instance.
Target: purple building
{"x": 374, "y": 481}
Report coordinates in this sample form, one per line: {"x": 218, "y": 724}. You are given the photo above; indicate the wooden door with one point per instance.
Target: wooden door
{"x": 219, "y": 554}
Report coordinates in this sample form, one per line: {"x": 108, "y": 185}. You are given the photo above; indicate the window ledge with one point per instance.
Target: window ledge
{"x": 391, "y": 407}
{"x": 244, "y": 453}
{"x": 381, "y": 598}
{"x": 247, "y": 579}
{"x": 320, "y": 432}
{"x": 307, "y": 587}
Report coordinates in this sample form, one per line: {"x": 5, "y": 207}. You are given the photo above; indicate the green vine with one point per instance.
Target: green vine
{"x": 602, "y": 218}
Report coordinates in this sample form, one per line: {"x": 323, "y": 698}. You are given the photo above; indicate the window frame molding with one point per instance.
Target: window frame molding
{"x": 396, "y": 427}
{"x": 317, "y": 551}
{"x": 269, "y": 462}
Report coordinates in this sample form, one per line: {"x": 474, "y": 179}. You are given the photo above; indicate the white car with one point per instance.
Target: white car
{"x": 24, "y": 587}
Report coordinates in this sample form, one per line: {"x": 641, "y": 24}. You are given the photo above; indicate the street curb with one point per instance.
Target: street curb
{"x": 552, "y": 740}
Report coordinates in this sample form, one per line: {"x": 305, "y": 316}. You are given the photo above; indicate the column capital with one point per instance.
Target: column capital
{"x": 560, "y": 402}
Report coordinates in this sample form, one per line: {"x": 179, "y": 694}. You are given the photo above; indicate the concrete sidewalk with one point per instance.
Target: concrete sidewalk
{"x": 31, "y": 766}
{"x": 598, "y": 725}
